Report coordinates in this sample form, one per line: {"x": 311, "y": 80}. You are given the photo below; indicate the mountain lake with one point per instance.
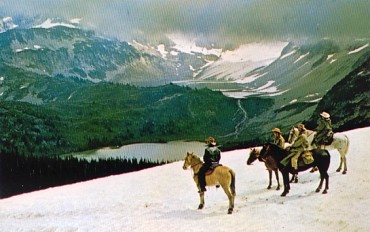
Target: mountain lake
{"x": 171, "y": 151}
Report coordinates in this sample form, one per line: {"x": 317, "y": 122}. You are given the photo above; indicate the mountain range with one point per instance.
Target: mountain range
{"x": 56, "y": 65}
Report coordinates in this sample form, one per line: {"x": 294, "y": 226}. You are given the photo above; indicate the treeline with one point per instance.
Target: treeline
{"x": 21, "y": 174}
{"x": 109, "y": 114}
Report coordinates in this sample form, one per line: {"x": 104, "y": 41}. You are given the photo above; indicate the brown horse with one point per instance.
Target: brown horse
{"x": 321, "y": 160}
{"x": 269, "y": 163}
{"x": 221, "y": 175}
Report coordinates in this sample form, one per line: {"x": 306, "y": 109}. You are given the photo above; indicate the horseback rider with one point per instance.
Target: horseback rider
{"x": 297, "y": 148}
{"x": 212, "y": 156}
{"x": 278, "y": 138}
{"x": 323, "y": 130}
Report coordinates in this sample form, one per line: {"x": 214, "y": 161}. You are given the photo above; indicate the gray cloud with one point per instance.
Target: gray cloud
{"x": 226, "y": 23}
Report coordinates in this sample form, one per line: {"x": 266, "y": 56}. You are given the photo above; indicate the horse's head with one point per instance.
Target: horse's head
{"x": 293, "y": 135}
{"x": 253, "y": 155}
{"x": 273, "y": 150}
{"x": 190, "y": 160}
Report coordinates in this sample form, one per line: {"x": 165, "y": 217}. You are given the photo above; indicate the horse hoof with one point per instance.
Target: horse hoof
{"x": 269, "y": 187}
{"x": 324, "y": 192}
{"x": 338, "y": 170}
{"x": 278, "y": 188}
{"x": 318, "y": 190}
{"x": 230, "y": 211}
{"x": 344, "y": 172}
{"x": 284, "y": 194}
{"x": 200, "y": 206}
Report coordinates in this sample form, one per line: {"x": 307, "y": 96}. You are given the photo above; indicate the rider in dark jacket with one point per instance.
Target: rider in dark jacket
{"x": 212, "y": 155}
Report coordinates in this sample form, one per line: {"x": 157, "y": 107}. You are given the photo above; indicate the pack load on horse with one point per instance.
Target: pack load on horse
{"x": 321, "y": 160}
{"x": 220, "y": 176}
{"x": 270, "y": 164}
{"x": 340, "y": 142}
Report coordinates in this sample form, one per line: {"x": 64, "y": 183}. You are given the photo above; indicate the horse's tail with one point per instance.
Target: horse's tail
{"x": 232, "y": 184}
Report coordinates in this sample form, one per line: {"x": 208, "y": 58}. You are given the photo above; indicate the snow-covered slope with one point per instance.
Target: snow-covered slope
{"x": 165, "y": 199}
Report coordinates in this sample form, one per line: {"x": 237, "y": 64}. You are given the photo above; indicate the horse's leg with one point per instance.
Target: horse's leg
{"x": 270, "y": 179}
{"x": 321, "y": 181}
{"x": 230, "y": 196}
{"x": 345, "y": 164}
{"x": 326, "y": 183}
{"x": 201, "y": 197}
{"x": 294, "y": 178}
{"x": 277, "y": 179}
{"x": 286, "y": 183}
{"x": 341, "y": 162}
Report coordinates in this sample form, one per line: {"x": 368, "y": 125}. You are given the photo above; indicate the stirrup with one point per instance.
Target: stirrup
{"x": 202, "y": 190}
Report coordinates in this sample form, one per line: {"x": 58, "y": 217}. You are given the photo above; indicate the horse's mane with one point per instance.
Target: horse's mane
{"x": 276, "y": 150}
{"x": 275, "y": 147}
{"x": 195, "y": 156}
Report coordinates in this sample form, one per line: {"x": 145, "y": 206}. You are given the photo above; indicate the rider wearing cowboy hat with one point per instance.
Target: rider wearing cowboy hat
{"x": 322, "y": 130}
{"x": 297, "y": 148}
{"x": 278, "y": 138}
{"x": 212, "y": 155}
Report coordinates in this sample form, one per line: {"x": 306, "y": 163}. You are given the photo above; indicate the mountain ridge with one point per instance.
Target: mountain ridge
{"x": 52, "y": 67}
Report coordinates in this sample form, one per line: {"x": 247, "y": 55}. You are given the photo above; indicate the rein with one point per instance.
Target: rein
{"x": 192, "y": 166}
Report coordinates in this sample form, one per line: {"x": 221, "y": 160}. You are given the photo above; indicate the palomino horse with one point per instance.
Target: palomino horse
{"x": 340, "y": 143}
{"x": 221, "y": 175}
{"x": 321, "y": 160}
{"x": 269, "y": 163}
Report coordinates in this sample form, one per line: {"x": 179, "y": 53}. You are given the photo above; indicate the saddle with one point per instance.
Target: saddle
{"x": 212, "y": 168}
{"x": 328, "y": 139}
{"x": 305, "y": 158}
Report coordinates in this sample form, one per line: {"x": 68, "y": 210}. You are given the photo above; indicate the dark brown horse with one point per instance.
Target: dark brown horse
{"x": 270, "y": 164}
{"x": 321, "y": 160}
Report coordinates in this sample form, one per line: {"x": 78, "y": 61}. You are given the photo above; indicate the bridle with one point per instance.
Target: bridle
{"x": 192, "y": 165}
{"x": 262, "y": 155}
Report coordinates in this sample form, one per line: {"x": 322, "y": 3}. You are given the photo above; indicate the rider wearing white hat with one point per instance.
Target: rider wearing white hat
{"x": 325, "y": 115}
{"x": 323, "y": 129}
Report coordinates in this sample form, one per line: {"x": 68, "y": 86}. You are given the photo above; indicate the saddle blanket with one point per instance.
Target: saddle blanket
{"x": 212, "y": 168}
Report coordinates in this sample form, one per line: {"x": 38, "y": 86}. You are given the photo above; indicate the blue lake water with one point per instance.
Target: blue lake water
{"x": 171, "y": 151}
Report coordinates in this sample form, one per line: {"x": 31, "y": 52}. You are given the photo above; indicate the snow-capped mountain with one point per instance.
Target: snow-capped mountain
{"x": 281, "y": 70}
{"x": 288, "y": 79}
{"x": 54, "y": 47}
{"x": 7, "y": 24}
{"x": 289, "y": 71}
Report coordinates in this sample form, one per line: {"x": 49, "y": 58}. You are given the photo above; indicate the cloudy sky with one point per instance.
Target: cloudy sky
{"x": 224, "y": 23}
